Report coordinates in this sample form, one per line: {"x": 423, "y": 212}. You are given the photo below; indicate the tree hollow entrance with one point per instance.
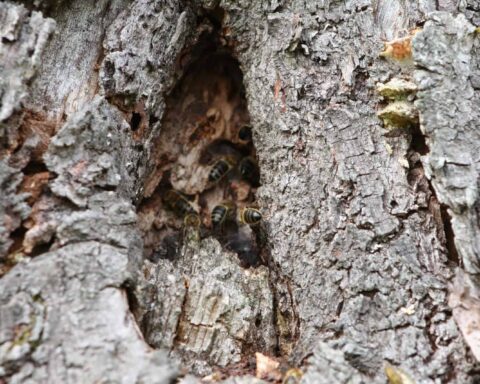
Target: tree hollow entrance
{"x": 204, "y": 162}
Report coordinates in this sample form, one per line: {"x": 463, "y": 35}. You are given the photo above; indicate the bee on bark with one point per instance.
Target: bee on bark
{"x": 220, "y": 169}
{"x": 248, "y": 168}
{"x": 222, "y": 212}
{"x": 179, "y": 203}
{"x": 245, "y": 133}
{"x": 250, "y": 216}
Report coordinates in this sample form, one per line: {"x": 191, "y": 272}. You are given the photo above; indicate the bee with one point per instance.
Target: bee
{"x": 250, "y": 216}
{"x": 191, "y": 227}
{"x": 222, "y": 212}
{"x": 249, "y": 170}
{"x": 245, "y": 133}
{"x": 192, "y": 220}
{"x": 179, "y": 203}
{"x": 220, "y": 169}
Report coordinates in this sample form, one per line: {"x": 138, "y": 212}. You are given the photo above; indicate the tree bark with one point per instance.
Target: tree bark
{"x": 365, "y": 265}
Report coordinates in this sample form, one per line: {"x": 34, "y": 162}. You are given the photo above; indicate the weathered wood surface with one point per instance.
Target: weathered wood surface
{"x": 362, "y": 257}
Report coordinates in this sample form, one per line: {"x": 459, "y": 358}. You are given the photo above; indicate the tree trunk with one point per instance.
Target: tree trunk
{"x": 362, "y": 161}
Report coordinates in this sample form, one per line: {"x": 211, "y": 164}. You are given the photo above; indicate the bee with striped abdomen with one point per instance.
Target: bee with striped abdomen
{"x": 222, "y": 212}
{"x": 250, "y": 216}
{"x": 220, "y": 169}
{"x": 248, "y": 169}
{"x": 178, "y": 203}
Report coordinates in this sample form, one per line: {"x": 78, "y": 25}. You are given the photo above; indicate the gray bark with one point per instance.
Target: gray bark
{"x": 369, "y": 249}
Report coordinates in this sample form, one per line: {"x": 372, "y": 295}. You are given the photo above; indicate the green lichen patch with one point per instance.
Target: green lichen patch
{"x": 397, "y": 89}
{"x": 399, "y": 115}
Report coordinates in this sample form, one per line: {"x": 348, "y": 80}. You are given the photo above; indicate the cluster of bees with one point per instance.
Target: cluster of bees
{"x": 231, "y": 162}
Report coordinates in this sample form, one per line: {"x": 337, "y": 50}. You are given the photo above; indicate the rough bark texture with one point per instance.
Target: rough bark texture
{"x": 368, "y": 253}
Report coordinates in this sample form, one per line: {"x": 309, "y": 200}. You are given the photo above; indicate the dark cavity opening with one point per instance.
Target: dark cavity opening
{"x": 17, "y": 237}
{"x": 204, "y": 171}
{"x": 452, "y": 252}
{"x": 135, "y": 121}
{"x": 42, "y": 248}
{"x": 418, "y": 143}
{"x": 34, "y": 167}
{"x": 15, "y": 250}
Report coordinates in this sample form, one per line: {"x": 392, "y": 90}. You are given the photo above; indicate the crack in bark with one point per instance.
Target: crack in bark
{"x": 182, "y": 318}
{"x": 419, "y": 145}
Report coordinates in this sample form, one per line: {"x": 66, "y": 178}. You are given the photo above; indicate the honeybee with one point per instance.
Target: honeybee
{"x": 250, "y": 216}
{"x": 179, "y": 203}
{"x": 222, "y": 212}
{"x": 220, "y": 169}
{"x": 192, "y": 220}
{"x": 245, "y": 133}
{"x": 191, "y": 227}
{"x": 249, "y": 170}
